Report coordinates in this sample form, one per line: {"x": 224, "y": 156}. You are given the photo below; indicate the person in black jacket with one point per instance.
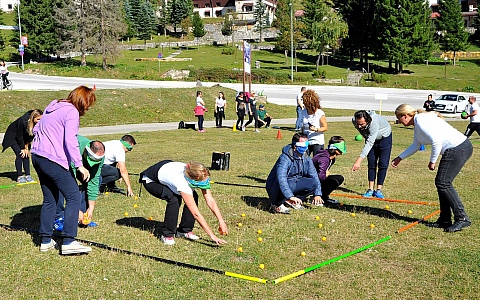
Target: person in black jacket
{"x": 18, "y": 136}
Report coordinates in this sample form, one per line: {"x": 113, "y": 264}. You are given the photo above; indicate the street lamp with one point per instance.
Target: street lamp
{"x": 291, "y": 38}
{"x": 445, "y": 59}
{"x": 20, "y": 29}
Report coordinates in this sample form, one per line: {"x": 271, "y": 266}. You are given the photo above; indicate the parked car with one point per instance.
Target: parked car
{"x": 451, "y": 103}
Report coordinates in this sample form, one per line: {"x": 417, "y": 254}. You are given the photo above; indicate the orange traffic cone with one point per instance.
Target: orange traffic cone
{"x": 279, "y": 135}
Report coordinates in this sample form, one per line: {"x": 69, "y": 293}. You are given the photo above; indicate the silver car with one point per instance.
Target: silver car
{"x": 451, "y": 103}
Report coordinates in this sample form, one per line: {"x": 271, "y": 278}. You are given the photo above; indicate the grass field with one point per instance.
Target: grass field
{"x": 420, "y": 263}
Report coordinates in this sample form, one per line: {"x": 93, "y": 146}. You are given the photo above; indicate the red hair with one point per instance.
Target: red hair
{"x": 82, "y": 98}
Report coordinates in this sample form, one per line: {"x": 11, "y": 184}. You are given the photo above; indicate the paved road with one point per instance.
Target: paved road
{"x": 345, "y": 97}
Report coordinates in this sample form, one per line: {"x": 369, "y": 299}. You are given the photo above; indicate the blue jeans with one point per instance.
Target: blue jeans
{"x": 379, "y": 157}
{"x": 54, "y": 181}
{"x": 300, "y": 188}
{"x": 451, "y": 163}
{"x": 200, "y": 122}
{"x": 299, "y": 122}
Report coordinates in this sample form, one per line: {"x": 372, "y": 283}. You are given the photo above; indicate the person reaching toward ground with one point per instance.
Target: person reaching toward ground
{"x": 173, "y": 181}
{"x": 455, "y": 149}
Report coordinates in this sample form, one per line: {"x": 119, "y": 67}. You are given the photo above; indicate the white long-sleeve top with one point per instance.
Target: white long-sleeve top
{"x": 432, "y": 130}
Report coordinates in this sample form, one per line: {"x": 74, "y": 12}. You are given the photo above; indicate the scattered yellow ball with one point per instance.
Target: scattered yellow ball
{"x": 243, "y": 215}
{"x": 239, "y": 224}
{"x": 135, "y": 206}
{"x": 352, "y": 214}
{"x": 341, "y": 203}
{"x": 317, "y": 218}
{"x": 410, "y": 212}
{"x": 150, "y": 218}
{"x": 259, "y": 231}
{"x": 320, "y": 225}
{"x": 387, "y": 207}
{"x": 372, "y": 225}
{"x": 240, "y": 249}
{"x": 303, "y": 253}
{"x": 261, "y": 266}
{"x": 324, "y": 238}
{"x": 106, "y": 193}
{"x": 136, "y": 197}
{"x": 259, "y": 239}
{"x": 126, "y": 214}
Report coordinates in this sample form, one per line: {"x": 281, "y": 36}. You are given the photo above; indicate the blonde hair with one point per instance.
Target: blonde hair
{"x": 35, "y": 114}
{"x": 311, "y": 101}
{"x": 197, "y": 171}
{"x": 408, "y": 110}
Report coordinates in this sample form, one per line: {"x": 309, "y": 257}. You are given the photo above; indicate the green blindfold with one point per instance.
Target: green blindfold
{"x": 127, "y": 145}
{"x": 339, "y": 146}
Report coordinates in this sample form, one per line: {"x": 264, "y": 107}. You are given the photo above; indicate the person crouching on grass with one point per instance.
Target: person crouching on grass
{"x": 455, "y": 149}
{"x": 174, "y": 181}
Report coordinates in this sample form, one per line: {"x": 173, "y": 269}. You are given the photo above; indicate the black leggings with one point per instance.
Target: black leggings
{"x": 330, "y": 184}
{"x": 19, "y": 161}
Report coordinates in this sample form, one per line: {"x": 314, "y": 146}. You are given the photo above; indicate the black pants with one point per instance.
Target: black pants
{"x": 19, "y": 161}
{"x": 251, "y": 117}
{"x": 330, "y": 184}
{"x": 200, "y": 122}
{"x": 169, "y": 228}
{"x": 241, "y": 117}
{"x": 109, "y": 175}
{"x": 219, "y": 116}
{"x": 471, "y": 128}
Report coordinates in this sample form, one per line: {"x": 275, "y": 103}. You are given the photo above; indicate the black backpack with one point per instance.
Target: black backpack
{"x": 181, "y": 125}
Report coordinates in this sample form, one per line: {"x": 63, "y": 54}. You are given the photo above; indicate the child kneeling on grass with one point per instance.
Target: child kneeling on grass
{"x": 174, "y": 181}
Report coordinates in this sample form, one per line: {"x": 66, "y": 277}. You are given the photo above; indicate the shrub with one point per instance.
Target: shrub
{"x": 379, "y": 78}
{"x": 468, "y": 89}
{"x": 228, "y": 51}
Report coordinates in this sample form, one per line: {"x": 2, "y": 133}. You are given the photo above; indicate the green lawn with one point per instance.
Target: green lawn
{"x": 420, "y": 263}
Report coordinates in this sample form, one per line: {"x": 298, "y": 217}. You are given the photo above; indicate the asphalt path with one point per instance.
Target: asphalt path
{"x": 341, "y": 97}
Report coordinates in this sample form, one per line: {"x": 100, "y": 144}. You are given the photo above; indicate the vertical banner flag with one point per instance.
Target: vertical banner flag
{"x": 24, "y": 40}
{"x": 246, "y": 57}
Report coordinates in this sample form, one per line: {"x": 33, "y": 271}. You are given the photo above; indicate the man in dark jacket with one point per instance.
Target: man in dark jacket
{"x": 293, "y": 177}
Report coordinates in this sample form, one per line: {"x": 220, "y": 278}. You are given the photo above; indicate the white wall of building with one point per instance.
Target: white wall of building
{"x": 8, "y": 5}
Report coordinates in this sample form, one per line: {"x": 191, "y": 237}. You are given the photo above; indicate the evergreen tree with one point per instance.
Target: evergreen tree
{"x": 198, "y": 28}
{"x": 260, "y": 15}
{"x": 362, "y": 29}
{"x": 180, "y": 10}
{"x": 39, "y": 25}
{"x": 407, "y": 32}
{"x": 146, "y": 21}
{"x": 129, "y": 21}
{"x": 451, "y": 24}
{"x": 164, "y": 18}
{"x": 227, "y": 26}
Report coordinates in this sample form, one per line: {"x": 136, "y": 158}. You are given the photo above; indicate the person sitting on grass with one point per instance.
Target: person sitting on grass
{"x": 323, "y": 161}
{"x": 263, "y": 117}
{"x": 173, "y": 181}
{"x": 293, "y": 177}
{"x": 92, "y": 157}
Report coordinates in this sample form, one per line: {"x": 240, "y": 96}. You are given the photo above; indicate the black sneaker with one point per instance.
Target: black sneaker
{"x": 458, "y": 225}
{"x": 440, "y": 224}
{"x": 116, "y": 189}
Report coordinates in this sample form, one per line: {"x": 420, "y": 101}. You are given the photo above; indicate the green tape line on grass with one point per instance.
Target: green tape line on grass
{"x": 301, "y": 272}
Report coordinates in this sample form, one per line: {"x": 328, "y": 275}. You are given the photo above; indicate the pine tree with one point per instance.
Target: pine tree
{"x": 39, "y": 25}
{"x": 451, "y": 24}
{"x": 262, "y": 20}
{"x": 180, "y": 10}
{"x": 146, "y": 21}
{"x": 198, "y": 28}
{"x": 164, "y": 18}
{"x": 227, "y": 26}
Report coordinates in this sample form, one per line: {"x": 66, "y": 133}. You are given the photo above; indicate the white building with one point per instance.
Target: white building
{"x": 8, "y": 5}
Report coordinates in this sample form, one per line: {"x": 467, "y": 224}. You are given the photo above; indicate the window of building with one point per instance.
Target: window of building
{"x": 207, "y": 4}
{"x": 10, "y": 6}
{"x": 218, "y": 4}
{"x": 207, "y": 14}
{"x": 195, "y": 5}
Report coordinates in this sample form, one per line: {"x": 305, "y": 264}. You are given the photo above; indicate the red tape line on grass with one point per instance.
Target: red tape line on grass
{"x": 418, "y": 221}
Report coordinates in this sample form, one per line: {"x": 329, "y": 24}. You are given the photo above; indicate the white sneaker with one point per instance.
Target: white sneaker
{"x": 49, "y": 246}
{"x": 256, "y": 130}
{"x": 188, "y": 235}
{"x": 169, "y": 240}
{"x": 281, "y": 209}
{"x": 75, "y": 248}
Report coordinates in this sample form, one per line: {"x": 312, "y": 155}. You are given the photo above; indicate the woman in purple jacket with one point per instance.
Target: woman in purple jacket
{"x": 323, "y": 161}
{"x": 54, "y": 147}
